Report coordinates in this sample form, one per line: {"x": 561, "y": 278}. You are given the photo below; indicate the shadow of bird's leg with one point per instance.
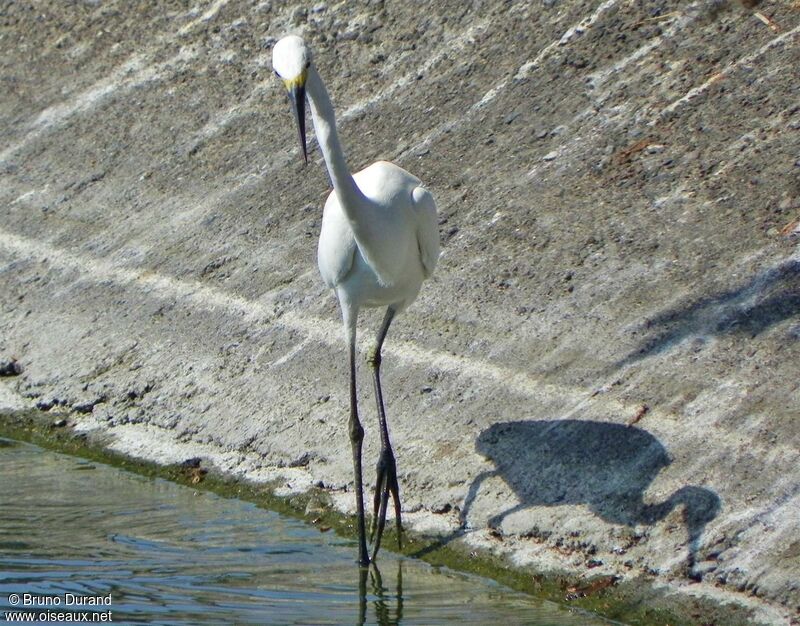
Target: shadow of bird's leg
{"x": 472, "y": 494}
{"x": 496, "y": 521}
{"x": 356, "y": 434}
{"x": 386, "y": 483}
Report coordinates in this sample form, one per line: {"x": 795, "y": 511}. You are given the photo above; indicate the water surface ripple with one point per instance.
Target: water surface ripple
{"x": 169, "y": 554}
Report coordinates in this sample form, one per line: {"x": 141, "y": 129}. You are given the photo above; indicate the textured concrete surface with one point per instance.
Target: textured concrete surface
{"x": 604, "y": 373}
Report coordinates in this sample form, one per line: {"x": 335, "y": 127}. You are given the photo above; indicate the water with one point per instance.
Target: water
{"x": 168, "y": 554}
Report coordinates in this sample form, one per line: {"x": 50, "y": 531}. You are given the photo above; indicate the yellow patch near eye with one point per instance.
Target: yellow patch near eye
{"x": 298, "y": 81}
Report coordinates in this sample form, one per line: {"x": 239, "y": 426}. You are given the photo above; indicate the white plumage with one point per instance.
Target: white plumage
{"x": 379, "y": 242}
{"x": 391, "y": 238}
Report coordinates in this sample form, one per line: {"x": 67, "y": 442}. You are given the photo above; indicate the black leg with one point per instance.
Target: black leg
{"x": 386, "y": 483}
{"x": 356, "y": 440}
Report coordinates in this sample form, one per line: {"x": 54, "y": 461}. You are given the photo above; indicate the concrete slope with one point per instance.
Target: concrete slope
{"x": 605, "y": 367}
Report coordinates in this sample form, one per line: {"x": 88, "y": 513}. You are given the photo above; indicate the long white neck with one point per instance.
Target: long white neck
{"x": 325, "y": 128}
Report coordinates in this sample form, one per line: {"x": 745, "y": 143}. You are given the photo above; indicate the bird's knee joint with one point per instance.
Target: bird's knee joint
{"x": 356, "y": 432}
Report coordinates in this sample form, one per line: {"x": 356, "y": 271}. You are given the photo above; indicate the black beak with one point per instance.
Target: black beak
{"x": 297, "y": 96}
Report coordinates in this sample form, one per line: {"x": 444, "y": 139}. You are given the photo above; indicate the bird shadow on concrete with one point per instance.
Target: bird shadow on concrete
{"x": 603, "y": 466}
{"x": 748, "y": 310}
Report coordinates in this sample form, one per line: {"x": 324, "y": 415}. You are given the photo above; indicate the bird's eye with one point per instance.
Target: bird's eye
{"x": 308, "y": 64}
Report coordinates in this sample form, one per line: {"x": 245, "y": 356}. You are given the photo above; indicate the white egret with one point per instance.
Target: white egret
{"x": 379, "y": 241}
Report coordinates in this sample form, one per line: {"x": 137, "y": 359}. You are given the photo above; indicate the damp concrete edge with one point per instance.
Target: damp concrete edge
{"x": 141, "y": 449}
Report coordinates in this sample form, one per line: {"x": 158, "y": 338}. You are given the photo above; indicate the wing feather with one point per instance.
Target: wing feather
{"x": 337, "y": 246}
{"x": 427, "y": 229}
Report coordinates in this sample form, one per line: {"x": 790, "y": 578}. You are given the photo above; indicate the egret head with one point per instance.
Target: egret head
{"x": 291, "y": 59}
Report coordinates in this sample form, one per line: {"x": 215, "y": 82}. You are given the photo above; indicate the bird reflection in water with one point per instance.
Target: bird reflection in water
{"x": 379, "y": 595}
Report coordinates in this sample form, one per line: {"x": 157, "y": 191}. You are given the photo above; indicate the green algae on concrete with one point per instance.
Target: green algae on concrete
{"x": 633, "y": 602}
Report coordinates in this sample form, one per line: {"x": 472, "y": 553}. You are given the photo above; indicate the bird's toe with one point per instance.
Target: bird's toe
{"x": 386, "y": 485}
